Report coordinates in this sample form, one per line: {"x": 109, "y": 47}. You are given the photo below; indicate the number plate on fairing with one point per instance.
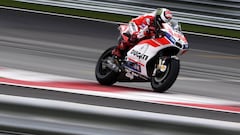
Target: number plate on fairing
{"x": 133, "y": 66}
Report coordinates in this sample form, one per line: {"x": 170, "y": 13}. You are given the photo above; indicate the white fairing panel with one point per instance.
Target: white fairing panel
{"x": 141, "y": 54}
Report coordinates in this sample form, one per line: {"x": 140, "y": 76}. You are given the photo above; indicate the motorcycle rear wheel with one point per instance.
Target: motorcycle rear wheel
{"x": 163, "y": 82}
{"x": 104, "y": 75}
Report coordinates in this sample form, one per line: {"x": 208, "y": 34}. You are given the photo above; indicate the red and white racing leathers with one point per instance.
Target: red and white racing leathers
{"x": 139, "y": 28}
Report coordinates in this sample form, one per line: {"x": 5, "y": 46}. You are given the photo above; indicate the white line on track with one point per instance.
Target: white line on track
{"x": 116, "y": 112}
{"x": 54, "y": 82}
{"x": 112, "y": 22}
{"x": 168, "y": 99}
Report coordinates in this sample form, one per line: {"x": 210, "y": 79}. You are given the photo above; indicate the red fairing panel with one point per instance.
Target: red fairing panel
{"x": 156, "y": 42}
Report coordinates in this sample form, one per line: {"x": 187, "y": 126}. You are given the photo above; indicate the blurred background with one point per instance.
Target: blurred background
{"x": 49, "y": 50}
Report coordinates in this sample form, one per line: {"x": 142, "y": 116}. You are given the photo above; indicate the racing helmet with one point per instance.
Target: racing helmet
{"x": 162, "y": 15}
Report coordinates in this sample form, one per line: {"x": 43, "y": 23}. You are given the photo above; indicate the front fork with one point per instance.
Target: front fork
{"x": 162, "y": 64}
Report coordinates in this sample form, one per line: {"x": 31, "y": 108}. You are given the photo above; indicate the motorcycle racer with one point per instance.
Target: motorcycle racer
{"x": 142, "y": 27}
{"x": 149, "y": 53}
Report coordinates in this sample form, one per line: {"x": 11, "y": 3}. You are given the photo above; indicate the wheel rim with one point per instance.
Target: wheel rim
{"x": 160, "y": 77}
{"x": 103, "y": 70}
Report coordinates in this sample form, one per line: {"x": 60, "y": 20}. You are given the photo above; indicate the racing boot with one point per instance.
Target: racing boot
{"x": 118, "y": 54}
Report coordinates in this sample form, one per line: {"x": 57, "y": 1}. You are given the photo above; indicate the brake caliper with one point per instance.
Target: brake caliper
{"x": 161, "y": 65}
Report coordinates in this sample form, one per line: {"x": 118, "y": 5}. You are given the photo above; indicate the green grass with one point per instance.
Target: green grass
{"x": 114, "y": 17}
{"x": 211, "y": 30}
{"x": 67, "y": 11}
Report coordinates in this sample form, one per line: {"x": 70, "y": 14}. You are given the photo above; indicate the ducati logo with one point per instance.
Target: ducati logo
{"x": 139, "y": 55}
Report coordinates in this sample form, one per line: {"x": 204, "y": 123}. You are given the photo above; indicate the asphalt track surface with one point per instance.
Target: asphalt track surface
{"x": 70, "y": 47}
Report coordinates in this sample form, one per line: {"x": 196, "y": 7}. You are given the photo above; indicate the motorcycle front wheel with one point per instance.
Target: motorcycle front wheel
{"x": 162, "y": 81}
{"x": 105, "y": 75}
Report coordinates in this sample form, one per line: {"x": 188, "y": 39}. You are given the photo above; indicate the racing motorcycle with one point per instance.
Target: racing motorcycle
{"x": 152, "y": 60}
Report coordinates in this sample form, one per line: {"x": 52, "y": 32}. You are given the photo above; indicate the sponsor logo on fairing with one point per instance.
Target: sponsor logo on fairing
{"x": 139, "y": 55}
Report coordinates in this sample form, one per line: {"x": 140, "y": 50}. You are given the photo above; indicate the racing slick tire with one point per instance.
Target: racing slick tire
{"x": 105, "y": 75}
{"x": 164, "y": 81}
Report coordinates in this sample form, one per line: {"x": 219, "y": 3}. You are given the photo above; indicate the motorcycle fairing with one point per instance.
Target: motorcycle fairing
{"x": 141, "y": 53}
